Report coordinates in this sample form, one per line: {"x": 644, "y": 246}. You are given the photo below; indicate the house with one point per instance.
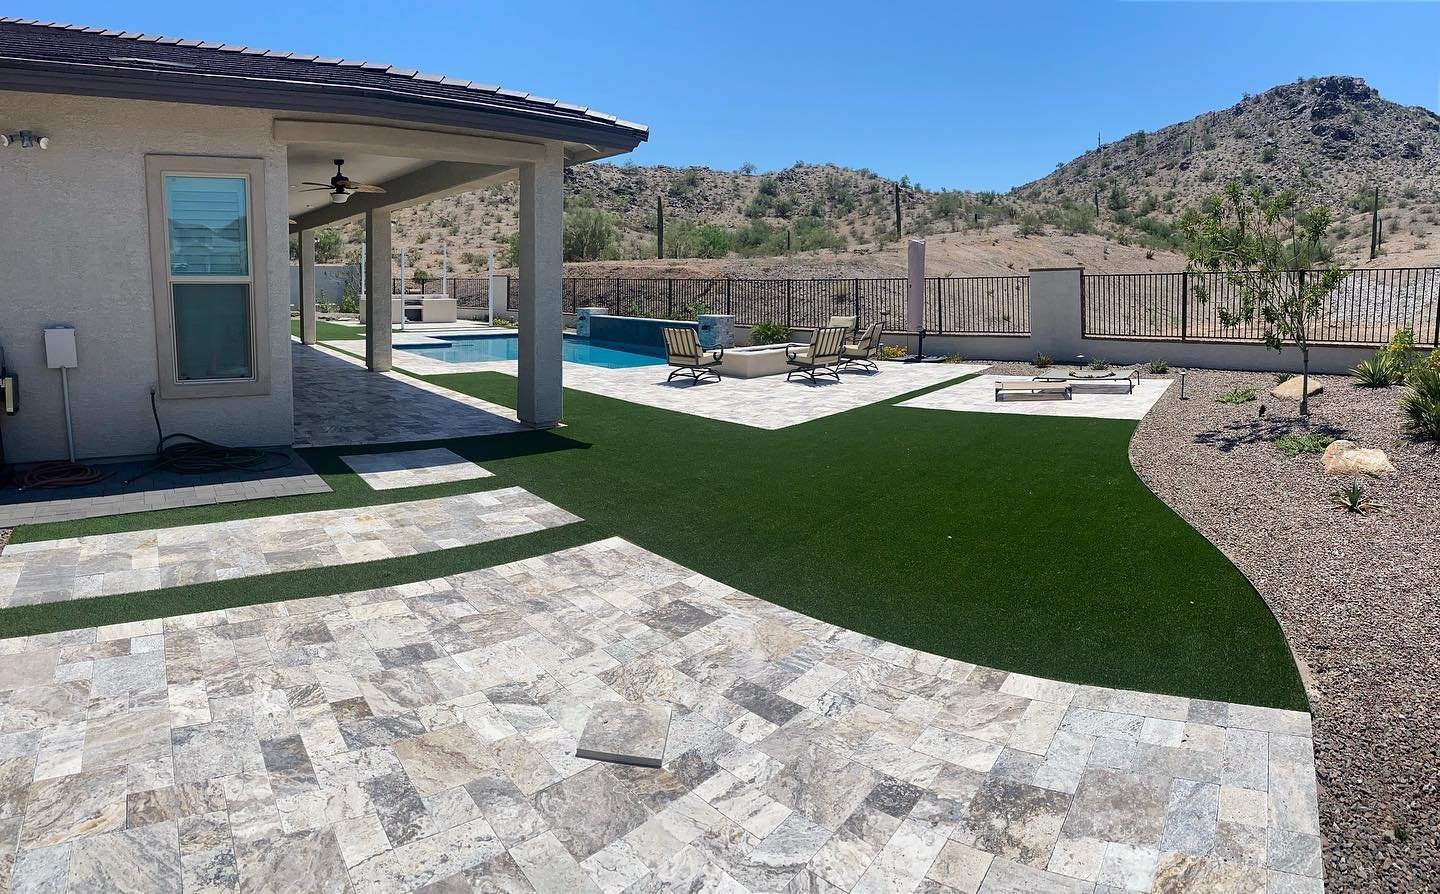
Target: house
{"x": 148, "y": 190}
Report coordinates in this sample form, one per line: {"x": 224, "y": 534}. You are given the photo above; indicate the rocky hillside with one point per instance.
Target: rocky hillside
{"x": 1332, "y": 139}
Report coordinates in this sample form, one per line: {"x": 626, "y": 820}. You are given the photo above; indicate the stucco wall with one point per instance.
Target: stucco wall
{"x": 74, "y": 249}
{"x": 330, "y": 282}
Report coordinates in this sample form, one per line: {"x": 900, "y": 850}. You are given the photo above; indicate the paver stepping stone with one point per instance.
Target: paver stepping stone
{"x": 413, "y": 468}
{"x": 625, "y": 733}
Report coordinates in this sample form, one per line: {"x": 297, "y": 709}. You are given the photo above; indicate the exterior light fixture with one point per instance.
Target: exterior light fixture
{"x": 26, "y": 139}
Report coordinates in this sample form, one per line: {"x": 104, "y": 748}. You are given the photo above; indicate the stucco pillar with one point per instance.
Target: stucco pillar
{"x": 542, "y": 326}
{"x": 1055, "y": 312}
{"x": 307, "y": 286}
{"x": 378, "y": 288}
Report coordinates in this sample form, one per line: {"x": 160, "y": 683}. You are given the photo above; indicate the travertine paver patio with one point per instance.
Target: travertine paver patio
{"x": 978, "y": 396}
{"x": 425, "y": 734}
{"x": 769, "y": 402}
{"x": 131, "y": 561}
{"x": 338, "y": 402}
{"x": 413, "y": 468}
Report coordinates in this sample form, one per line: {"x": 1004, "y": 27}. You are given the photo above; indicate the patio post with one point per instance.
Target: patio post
{"x": 542, "y": 211}
{"x": 307, "y": 287}
{"x": 380, "y": 289}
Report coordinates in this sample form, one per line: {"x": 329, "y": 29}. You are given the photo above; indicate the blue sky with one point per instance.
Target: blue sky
{"x": 962, "y": 95}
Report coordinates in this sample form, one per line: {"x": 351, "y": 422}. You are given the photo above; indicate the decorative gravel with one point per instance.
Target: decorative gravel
{"x": 1357, "y": 595}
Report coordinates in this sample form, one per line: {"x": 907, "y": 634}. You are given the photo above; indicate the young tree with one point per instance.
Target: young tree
{"x": 329, "y": 245}
{"x": 1273, "y": 252}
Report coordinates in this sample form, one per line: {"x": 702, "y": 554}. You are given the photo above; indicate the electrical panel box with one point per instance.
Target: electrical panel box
{"x": 60, "y": 347}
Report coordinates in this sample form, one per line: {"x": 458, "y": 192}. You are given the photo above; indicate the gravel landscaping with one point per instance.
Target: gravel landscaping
{"x": 1357, "y": 595}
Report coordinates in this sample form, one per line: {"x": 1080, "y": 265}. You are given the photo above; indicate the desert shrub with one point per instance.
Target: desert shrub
{"x": 1237, "y": 396}
{"x": 1352, "y": 498}
{"x": 1282, "y": 377}
{"x": 588, "y": 233}
{"x": 1159, "y": 366}
{"x": 1098, "y": 363}
{"x": 1422, "y": 402}
{"x": 1374, "y": 372}
{"x": 952, "y": 358}
{"x": 1042, "y": 360}
{"x": 1401, "y": 354}
{"x": 349, "y": 304}
{"x": 892, "y": 352}
{"x": 769, "y": 333}
{"x": 1296, "y": 445}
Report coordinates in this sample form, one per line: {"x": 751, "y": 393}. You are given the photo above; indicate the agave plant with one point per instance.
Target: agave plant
{"x": 1352, "y": 498}
{"x": 1422, "y": 402}
{"x": 1375, "y": 372}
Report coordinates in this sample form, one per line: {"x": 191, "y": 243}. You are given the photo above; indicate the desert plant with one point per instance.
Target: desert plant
{"x": 1352, "y": 498}
{"x": 1401, "y": 354}
{"x": 1159, "y": 366}
{"x": 1098, "y": 363}
{"x": 952, "y": 358}
{"x": 349, "y": 304}
{"x": 1422, "y": 402}
{"x": 1296, "y": 445}
{"x": 892, "y": 352}
{"x": 1374, "y": 372}
{"x": 1042, "y": 360}
{"x": 1274, "y": 253}
{"x": 769, "y": 333}
{"x": 1282, "y": 378}
{"x": 1237, "y": 396}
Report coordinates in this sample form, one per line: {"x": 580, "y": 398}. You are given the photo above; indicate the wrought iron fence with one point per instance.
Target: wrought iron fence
{"x": 1366, "y": 308}
{"x": 981, "y": 305}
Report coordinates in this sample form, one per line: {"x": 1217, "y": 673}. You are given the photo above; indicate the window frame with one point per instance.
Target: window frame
{"x": 252, "y": 170}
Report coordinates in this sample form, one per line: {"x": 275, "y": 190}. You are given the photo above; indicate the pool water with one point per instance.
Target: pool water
{"x": 483, "y": 348}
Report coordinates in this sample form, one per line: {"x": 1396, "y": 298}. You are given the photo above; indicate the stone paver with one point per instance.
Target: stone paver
{"x": 132, "y": 561}
{"x": 769, "y": 402}
{"x": 337, "y": 402}
{"x": 413, "y": 468}
{"x": 425, "y": 735}
{"x": 113, "y": 498}
{"x": 978, "y": 396}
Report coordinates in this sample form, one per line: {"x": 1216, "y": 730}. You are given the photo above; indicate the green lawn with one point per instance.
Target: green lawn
{"x": 1023, "y": 543}
{"x": 328, "y": 331}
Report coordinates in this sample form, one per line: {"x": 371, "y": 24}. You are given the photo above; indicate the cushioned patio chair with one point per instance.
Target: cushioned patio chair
{"x": 819, "y": 358}
{"x": 683, "y": 351}
{"x": 846, "y": 323}
{"x": 862, "y": 352}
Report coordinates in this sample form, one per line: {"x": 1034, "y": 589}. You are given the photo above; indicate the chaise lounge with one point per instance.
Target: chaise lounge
{"x": 683, "y": 351}
{"x": 820, "y": 357}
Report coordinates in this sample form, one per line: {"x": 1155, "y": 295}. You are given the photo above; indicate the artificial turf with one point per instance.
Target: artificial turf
{"x": 1024, "y": 543}
{"x": 328, "y": 331}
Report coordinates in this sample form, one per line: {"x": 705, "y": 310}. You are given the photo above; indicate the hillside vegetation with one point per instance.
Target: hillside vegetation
{"x": 1112, "y": 209}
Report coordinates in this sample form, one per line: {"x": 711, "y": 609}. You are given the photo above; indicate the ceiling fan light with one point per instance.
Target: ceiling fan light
{"x": 339, "y": 198}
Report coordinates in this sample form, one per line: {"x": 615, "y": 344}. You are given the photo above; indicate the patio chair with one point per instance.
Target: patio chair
{"x": 862, "y": 352}
{"x": 849, "y": 324}
{"x": 820, "y": 357}
{"x": 683, "y": 351}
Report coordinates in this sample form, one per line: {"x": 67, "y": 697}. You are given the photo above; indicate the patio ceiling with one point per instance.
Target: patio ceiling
{"x": 413, "y": 165}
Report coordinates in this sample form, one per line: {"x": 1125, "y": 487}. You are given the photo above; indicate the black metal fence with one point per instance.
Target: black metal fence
{"x": 972, "y": 305}
{"x": 1367, "y": 308}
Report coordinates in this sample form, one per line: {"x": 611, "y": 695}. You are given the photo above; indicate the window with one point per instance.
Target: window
{"x": 205, "y": 216}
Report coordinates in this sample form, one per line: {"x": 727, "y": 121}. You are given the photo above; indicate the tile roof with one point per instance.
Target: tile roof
{"x": 114, "y": 52}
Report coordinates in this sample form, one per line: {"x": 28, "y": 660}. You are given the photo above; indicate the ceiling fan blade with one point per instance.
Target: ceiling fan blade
{"x": 313, "y": 183}
{"x": 314, "y": 189}
{"x": 366, "y": 187}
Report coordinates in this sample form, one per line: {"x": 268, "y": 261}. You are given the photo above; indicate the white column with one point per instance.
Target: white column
{"x": 542, "y": 213}
{"x": 379, "y": 289}
{"x": 307, "y": 286}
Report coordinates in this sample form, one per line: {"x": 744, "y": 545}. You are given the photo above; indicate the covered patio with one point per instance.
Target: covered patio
{"x": 411, "y": 166}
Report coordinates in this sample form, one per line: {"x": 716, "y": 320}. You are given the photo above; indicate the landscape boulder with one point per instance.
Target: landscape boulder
{"x": 1346, "y": 458}
{"x": 1290, "y": 388}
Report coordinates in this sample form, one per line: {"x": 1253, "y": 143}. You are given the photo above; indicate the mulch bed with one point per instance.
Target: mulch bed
{"x": 1357, "y": 595}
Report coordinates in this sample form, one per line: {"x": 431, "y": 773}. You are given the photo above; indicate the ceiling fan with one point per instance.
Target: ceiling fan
{"x": 341, "y": 187}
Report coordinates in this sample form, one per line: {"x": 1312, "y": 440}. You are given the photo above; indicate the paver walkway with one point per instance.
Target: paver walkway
{"x": 338, "y": 401}
{"x": 413, "y": 468}
{"x": 769, "y": 402}
{"x": 131, "y": 561}
{"x": 978, "y": 396}
{"x": 425, "y": 734}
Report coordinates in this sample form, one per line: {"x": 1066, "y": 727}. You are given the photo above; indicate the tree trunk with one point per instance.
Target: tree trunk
{"x": 1305, "y": 380}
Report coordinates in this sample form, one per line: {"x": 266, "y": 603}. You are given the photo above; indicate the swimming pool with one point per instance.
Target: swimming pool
{"x": 483, "y": 348}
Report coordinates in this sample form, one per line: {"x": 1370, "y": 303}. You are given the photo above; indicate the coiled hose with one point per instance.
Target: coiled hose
{"x": 188, "y": 455}
{"x": 58, "y": 473}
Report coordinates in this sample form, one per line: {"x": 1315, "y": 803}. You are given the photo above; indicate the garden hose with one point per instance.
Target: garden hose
{"x": 58, "y": 473}
{"x": 186, "y": 454}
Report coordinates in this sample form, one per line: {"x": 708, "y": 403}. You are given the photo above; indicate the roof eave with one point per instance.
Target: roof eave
{"x": 315, "y": 98}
